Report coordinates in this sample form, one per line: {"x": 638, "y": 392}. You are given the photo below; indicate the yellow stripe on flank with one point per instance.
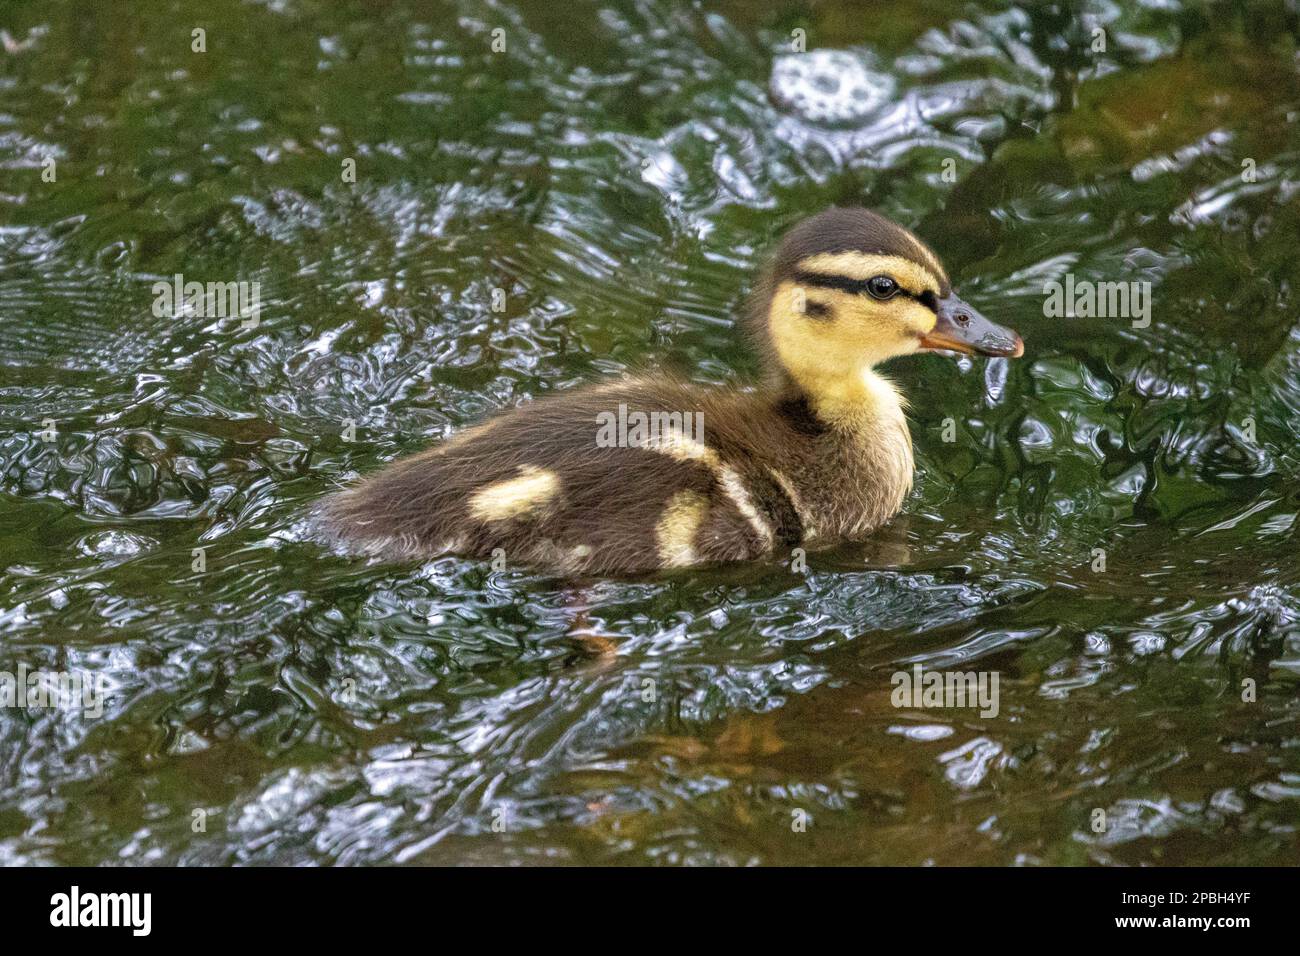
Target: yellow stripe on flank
{"x": 684, "y": 448}
{"x": 676, "y": 530}
{"x": 522, "y": 497}
{"x": 805, "y": 518}
{"x": 676, "y": 444}
{"x": 916, "y": 277}
{"x": 735, "y": 490}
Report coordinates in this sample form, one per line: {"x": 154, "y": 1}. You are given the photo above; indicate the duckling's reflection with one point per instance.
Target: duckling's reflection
{"x": 890, "y": 547}
{"x": 597, "y": 647}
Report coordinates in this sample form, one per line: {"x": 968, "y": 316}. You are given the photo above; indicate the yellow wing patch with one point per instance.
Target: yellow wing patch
{"x": 676, "y": 530}
{"x": 527, "y": 496}
{"x": 682, "y": 447}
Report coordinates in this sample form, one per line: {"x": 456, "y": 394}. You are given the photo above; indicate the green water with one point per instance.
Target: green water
{"x": 618, "y": 171}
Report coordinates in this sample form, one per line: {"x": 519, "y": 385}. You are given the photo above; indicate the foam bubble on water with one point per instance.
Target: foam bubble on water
{"x": 119, "y": 545}
{"x": 834, "y": 87}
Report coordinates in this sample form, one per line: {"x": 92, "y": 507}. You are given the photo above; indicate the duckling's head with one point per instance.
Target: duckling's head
{"x": 849, "y": 289}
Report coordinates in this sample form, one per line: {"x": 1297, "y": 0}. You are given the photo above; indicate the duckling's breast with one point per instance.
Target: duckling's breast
{"x": 860, "y": 482}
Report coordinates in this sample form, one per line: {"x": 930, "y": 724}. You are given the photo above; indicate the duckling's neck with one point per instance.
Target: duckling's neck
{"x": 850, "y": 403}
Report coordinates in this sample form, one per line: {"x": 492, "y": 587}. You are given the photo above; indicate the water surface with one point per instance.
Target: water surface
{"x": 618, "y": 170}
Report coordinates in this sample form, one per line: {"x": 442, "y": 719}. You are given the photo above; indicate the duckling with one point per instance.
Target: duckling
{"x": 650, "y": 473}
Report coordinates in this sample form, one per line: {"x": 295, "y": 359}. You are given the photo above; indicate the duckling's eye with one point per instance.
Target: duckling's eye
{"x": 882, "y": 287}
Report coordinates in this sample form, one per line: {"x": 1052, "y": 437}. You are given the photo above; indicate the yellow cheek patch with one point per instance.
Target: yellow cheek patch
{"x": 675, "y": 533}
{"x": 912, "y": 276}
{"x": 857, "y": 331}
{"x": 527, "y": 496}
{"x": 896, "y": 317}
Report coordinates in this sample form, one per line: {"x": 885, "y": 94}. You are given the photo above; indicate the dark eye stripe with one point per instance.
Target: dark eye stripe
{"x": 820, "y": 280}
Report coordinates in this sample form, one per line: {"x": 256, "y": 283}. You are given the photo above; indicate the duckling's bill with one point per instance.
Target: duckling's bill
{"x": 959, "y": 328}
